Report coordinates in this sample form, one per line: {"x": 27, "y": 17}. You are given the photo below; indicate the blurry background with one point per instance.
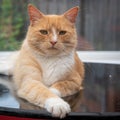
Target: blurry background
{"x": 98, "y": 23}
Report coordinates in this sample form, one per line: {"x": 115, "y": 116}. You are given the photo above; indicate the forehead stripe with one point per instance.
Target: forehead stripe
{"x": 54, "y": 34}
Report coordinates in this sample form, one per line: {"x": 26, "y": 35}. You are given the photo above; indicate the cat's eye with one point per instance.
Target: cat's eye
{"x": 44, "y": 32}
{"x": 62, "y": 32}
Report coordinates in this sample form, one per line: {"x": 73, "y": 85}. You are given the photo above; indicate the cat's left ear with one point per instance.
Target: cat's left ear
{"x": 72, "y": 14}
{"x": 34, "y": 14}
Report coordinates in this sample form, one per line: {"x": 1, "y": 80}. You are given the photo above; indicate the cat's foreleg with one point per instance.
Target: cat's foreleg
{"x": 68, "y": 86}
{"x": 37, "y": 93}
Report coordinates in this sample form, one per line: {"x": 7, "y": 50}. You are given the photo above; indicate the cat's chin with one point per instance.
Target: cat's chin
{"x": 49, "y": 52}
{"x": 53, "y": 49}
{"x": 52, "y": 53}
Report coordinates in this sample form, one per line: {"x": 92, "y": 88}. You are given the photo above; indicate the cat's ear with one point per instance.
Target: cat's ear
{"x": 72, "y": 14}
{"x": 34, "y": 14}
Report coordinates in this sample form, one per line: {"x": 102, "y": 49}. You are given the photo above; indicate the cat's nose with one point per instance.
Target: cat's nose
{"x": 53, "y": 42}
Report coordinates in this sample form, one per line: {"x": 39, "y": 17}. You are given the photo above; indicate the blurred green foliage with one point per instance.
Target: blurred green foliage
{"x": 12, "y": 24}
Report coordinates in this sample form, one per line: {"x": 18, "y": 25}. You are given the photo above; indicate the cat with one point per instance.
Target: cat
{"x": 47, "y": 67}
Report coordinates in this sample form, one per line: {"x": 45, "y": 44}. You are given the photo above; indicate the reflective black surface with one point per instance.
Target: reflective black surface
{"x": 101, "y": 91}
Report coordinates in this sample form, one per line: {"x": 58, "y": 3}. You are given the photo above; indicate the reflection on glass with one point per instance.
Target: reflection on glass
{"x": 101, "y": 91}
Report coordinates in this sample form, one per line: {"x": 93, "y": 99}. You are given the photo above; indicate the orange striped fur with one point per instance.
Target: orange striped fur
{"x": 48, "y": 67}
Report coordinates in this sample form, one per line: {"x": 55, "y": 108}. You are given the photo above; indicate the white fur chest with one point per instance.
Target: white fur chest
{"x": 55, "y": 68}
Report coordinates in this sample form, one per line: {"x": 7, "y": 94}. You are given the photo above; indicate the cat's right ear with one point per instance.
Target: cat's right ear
{"x": 34, "y": 14}
{"x": 72, "y": 14}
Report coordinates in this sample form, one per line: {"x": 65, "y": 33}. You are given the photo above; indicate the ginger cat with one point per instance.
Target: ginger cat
{"x": 48, "y": 67}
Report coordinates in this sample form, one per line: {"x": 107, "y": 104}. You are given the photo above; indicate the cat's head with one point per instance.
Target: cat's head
{"x": 52, "y": 34}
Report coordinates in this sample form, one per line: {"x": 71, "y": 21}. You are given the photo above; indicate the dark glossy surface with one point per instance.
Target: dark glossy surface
{"x": 101, "y": 91}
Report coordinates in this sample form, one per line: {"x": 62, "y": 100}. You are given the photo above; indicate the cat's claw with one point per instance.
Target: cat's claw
{"x": 57, "y": 107}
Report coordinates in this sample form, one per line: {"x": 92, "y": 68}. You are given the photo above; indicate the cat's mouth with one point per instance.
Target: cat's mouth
{"x": 52, "y": 48}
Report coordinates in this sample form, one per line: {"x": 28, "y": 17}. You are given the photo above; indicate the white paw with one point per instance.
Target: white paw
{"x": 57, "y": 107}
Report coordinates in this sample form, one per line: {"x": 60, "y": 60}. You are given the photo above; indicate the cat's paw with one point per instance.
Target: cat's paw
{"x": 57, "y": 107}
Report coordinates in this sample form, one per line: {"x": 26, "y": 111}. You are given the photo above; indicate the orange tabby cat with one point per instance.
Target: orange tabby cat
{"x": 48, "y": 67}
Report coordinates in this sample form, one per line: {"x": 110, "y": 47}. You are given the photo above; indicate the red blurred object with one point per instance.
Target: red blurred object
{"x": 4, "y": 117}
